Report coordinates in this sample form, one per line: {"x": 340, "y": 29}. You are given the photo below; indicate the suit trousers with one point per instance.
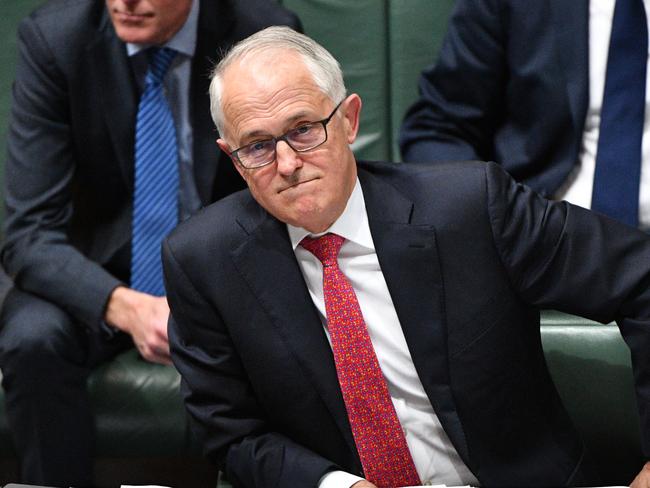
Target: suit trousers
{"x": 46, "y": 358}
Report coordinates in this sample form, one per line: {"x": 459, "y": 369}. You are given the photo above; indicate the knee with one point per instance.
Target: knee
{"x": 35, "y": 337}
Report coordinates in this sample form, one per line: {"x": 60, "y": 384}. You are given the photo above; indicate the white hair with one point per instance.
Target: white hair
{"x": 325, "y": 70}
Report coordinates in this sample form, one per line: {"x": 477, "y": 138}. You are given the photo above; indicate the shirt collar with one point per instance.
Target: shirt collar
{"x": 352, "y": 224}
{"x": 184, "y": 41}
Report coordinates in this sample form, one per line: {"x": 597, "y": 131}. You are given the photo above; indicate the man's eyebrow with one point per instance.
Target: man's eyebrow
{"x": 266, "y": 134}
{"x": 256, "y": 133}
{"x": 299, "y": 115}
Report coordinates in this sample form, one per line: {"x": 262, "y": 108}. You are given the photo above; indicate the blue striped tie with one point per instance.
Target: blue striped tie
{"x": 618, "y": 160}
{"x": 155, "y": 200}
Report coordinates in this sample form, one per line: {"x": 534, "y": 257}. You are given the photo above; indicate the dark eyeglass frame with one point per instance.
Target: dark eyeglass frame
{"x": 285, "y": 137}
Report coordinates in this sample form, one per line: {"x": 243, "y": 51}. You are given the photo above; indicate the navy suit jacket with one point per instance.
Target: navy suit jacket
{"x": 469, "y": 257}
{"x": 511, "y": 85}
{"x": 69, "y": 171}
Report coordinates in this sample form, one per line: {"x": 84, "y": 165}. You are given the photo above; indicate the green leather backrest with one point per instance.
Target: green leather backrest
{"x": 416, "y": 29}
{"x": 382, "y": 46}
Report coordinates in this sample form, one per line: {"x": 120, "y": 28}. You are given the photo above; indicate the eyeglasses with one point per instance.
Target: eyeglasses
{"x": 303, "y": 138}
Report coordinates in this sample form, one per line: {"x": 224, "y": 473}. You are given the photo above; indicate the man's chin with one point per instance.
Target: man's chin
{"x": 134, "y": 33}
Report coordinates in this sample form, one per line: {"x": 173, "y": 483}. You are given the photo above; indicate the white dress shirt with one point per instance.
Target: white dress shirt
{"x": 435, "y": 458}
{"x": 579, "y": 186}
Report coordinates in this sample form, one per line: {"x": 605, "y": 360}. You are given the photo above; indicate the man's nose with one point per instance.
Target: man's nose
{"x": 287, "y": 159}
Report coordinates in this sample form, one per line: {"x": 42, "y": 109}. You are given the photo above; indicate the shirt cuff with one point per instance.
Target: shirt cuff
{"x": 338, "y": 479}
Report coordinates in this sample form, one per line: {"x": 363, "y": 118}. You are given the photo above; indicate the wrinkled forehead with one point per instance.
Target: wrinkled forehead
{"x": 259, "y": 89}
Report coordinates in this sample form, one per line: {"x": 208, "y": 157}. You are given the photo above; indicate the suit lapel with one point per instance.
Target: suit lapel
{"x": 267, "y": 262}
{"x": 571, "y": 23}
{"x": 408, "y": 258}
{"x": 117, "y": 92}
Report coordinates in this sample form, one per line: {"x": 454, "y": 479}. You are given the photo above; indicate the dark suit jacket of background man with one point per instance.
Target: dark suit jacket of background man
{"x": 469, "y": 257}
{"x": 70, "y": 182}
{"x": 510, "y": 85}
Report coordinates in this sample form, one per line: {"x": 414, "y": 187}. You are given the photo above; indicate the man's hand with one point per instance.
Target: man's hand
{"x": 145, "y": 318}
{"x": 642, "y": 479}
{"x": 363, "y": 484}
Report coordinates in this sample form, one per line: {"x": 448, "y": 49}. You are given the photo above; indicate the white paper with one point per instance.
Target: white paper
{"x": 144, "y": 486}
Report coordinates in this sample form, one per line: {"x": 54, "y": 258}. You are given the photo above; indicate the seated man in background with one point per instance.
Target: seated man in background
{"x": 110, "y": 144}
{"x": 554, "y": 91}
{"x": 359, "y": 324}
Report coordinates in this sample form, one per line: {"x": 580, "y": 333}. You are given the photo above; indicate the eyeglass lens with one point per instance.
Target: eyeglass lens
{"x": 301, "y": 138}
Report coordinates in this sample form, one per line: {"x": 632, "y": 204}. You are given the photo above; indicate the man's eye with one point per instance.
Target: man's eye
{"x": 303, "y": 129}
{"x": 259, "y": 146}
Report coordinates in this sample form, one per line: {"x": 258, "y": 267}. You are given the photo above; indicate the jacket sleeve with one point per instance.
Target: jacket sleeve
{"x": 231, "y": 425}
{"x": 564, "y": 257}
{"x": 39, "y": 175}
{"x": 462, "y": 96}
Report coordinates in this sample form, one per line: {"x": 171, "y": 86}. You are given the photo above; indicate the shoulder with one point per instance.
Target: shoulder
{"x": 64, "y": 17}
{"x": 427, "y": 178}
{"x": 216, "y": 226}
{"x": 446, "y": 191}
{"x": 64, "y": 24}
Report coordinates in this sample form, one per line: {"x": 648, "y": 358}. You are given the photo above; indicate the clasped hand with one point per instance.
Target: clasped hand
{"x": 144, "y": 317}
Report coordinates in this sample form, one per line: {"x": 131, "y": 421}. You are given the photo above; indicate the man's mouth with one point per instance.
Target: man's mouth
{"x": 296, "y": 184}
{"x": 131, "y": 16}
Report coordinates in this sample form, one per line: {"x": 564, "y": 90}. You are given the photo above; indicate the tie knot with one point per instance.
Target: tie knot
{"x": 326, "y": 247}
{"x": 159, "y": 61}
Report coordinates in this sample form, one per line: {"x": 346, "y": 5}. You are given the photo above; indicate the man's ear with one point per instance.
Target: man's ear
{"x": 351, "y": 113}
{"x": 223, "y": 145}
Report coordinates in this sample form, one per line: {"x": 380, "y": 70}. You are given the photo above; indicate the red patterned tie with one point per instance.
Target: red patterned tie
{"x": 377, "y": 432}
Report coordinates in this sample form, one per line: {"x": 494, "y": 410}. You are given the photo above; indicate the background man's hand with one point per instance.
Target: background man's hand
{"x": 144, "y": 317}
{"x": 642, "y": 479}
{"x": 363, "y": 484}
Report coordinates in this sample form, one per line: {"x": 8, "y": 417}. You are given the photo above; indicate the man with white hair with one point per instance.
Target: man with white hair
{"x": 345, "y": 323}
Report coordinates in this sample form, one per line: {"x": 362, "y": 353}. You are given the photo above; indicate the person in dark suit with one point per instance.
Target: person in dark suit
{"x": 422, "y": 336}
{"x": 530, "y": 84}
{"x": 70, "y": 184}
